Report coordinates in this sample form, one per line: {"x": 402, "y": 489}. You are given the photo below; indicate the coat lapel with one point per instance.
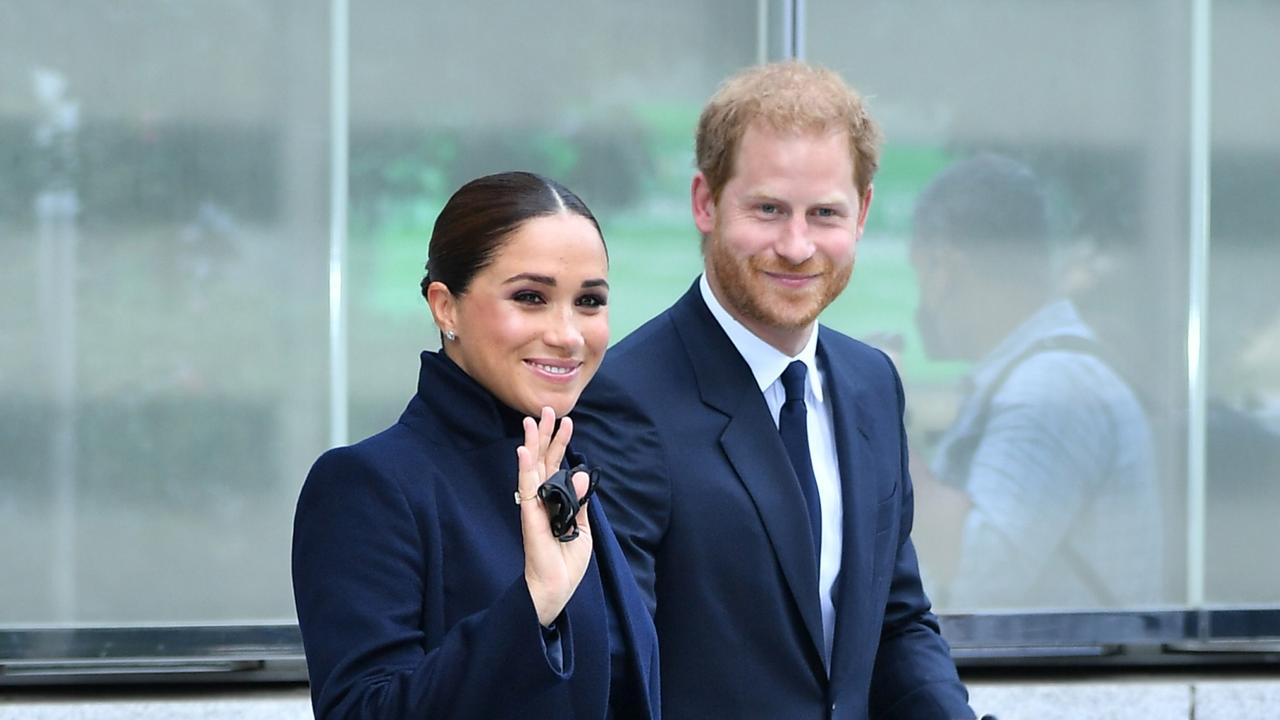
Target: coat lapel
{"x": 619, "y": 587}
{"x": 752, "y": 445}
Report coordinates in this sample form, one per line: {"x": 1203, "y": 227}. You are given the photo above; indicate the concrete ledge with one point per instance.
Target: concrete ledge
{"x": 233, "y": 703}
{"x": 1119, "y": 697}
{"x": 1132, "y": 696}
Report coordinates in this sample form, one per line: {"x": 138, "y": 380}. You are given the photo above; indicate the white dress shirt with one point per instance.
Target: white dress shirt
{"x": 767, "y": 364}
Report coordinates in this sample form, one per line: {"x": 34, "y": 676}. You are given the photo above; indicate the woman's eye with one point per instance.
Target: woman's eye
{"x": 528, "y": 297}
{"x": 593, "y": 301}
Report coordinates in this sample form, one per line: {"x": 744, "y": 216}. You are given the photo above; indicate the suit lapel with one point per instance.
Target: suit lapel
{"x": 754, "y": 448}
{"x": 858, "y": 482}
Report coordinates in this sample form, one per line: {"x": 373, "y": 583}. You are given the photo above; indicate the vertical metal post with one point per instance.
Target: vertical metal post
{"x": 339, "y": 148}
{"x": 779, "y": 30}
{"x": 57, "y": 207}
{"x": 798, "y": 48}
{"x": 1197, "y": 317}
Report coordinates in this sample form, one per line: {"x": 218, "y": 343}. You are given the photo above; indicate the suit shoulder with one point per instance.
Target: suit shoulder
{"x": 647, "y": 353}
{"x": 842, "y": 348}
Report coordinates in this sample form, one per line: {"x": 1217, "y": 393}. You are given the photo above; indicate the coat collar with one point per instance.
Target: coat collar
{"x": 456, "y": 401}
{"x": 451, "y": 400}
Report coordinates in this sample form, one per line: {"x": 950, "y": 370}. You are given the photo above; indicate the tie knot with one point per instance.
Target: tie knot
{"x": 793, "y": 381}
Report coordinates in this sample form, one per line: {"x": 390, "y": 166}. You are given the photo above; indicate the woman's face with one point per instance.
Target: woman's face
{"x": 533, "y": 325}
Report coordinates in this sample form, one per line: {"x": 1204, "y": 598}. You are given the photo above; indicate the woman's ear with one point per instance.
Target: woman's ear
{"x": 444, "y": 307}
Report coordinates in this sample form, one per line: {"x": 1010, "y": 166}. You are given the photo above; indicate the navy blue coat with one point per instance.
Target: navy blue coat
{"x": 701, "y": 493}
{"x": 408, "y": 571}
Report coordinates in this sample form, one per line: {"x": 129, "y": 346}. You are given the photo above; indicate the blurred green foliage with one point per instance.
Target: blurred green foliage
{"x": 633, "y": 169}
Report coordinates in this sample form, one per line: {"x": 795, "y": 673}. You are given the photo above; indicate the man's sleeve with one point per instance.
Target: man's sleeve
{"x": 914, "y": 676}
{"x": 616, "y": 435}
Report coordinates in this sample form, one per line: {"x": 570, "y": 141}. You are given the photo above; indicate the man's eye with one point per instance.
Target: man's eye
{"x": 768, "y": 208}
{"x": 825, "y": 212}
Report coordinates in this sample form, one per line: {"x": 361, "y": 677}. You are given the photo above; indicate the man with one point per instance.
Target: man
{"x": 754, "y": 464}
{"x": 1045, "y": 492}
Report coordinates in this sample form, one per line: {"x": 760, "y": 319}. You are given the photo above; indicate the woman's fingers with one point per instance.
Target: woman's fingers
{"x": 529, "y": 475}
{"x": 546, "y": 429}
{"x": 556, "y": 449}
{"x": 581, "y": 481}
{"x": 580, "y": 484}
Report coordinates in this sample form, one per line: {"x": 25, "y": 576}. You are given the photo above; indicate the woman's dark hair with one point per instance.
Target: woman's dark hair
{"x": 482, "y": 215}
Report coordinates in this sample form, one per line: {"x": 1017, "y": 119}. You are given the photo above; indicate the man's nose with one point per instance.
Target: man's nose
{"x": 795, "y": 246}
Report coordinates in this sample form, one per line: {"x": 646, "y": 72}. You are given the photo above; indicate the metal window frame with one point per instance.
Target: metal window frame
{"x": 35, "y": 656}
{"x": 273, "y": 652}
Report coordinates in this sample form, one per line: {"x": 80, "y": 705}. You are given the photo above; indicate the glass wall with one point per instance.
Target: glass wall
{"x": 443, "y": 93}
{"x": 1031, "y": 261}
{"x": 1243, "y": 332}
{"x": 1027, "y": 258}
{"x": 163, "y": 206}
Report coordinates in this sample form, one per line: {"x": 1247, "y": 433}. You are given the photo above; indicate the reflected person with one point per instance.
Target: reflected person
{"x": 755, "y": 464}
{"x": 424, "y": 587}
{"x": 1043, "y": 490}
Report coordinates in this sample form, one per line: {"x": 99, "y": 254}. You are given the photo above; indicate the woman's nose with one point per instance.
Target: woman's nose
{"x": 563, "y": 332}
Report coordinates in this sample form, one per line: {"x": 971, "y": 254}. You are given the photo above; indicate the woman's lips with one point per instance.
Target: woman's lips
{"x": 554, "y": 370}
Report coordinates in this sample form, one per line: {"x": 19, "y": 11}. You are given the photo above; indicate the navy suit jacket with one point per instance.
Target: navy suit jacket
{"x": 707, "y": 509}
{"x": 408, "y": 569}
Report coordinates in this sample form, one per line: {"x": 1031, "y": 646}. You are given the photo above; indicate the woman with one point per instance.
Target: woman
{"x": 422, "y": 589}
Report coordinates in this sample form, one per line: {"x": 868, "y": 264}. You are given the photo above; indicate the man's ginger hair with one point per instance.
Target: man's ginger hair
{"x": 788, "y": 97}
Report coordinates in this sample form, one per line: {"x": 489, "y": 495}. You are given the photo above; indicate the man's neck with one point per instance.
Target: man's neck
{"x": 788, "y": 341}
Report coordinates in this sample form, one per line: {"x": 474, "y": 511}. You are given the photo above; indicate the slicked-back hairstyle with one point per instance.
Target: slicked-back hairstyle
{"x": 790, "y": 97}
{"x": 482, "y": 215}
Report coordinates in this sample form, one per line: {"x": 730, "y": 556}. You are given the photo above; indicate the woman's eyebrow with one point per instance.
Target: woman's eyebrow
{"x": 532, "y": 277}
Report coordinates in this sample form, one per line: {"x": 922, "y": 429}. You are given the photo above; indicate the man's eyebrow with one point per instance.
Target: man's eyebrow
{"x": 531, "y": 277}
{"x": 840, "y": 200}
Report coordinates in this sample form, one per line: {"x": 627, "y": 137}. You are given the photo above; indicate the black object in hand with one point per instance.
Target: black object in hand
{"x": 561, "y": 501}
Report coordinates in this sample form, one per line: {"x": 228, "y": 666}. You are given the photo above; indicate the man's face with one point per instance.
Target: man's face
{"x": 931, "y": 276}
{"x": 779, "y": 244}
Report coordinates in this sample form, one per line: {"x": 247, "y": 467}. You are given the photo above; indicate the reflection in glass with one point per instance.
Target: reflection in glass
{"x": 1242, "y": 345}
{"x": 609, "y": 112}
{"x": 1042, "y": 491}
{"x": 162, "y": 336}
{"x": 1110, "y": 163}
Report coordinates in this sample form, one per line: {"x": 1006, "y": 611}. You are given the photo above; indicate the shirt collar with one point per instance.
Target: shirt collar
{"x": 766, "y": 362}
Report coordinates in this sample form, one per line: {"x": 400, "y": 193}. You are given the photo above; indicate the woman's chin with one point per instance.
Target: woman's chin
{"x": 560, "y": 403}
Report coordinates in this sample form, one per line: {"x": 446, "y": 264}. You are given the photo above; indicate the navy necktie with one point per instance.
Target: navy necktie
{"x": 793, "y": 425}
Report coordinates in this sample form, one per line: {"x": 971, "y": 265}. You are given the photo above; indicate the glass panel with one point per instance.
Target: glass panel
{"x": 1243, "y": 343}
{"x": 441, "y": 95}
{"x": 163, "y": 330}
{"x": 1026, "y": 261}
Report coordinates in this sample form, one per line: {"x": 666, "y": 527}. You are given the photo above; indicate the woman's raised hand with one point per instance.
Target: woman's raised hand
{"x": 552, "y": 569}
